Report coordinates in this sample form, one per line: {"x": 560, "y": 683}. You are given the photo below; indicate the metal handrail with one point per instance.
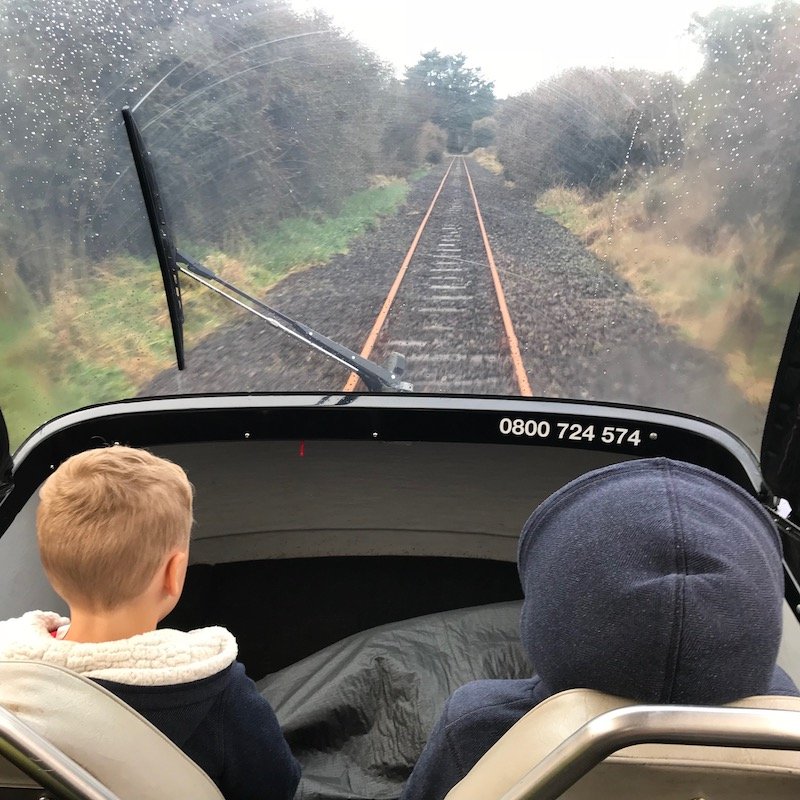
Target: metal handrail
{"x": 623, "y": 727}
{"x": 44, "y": 763}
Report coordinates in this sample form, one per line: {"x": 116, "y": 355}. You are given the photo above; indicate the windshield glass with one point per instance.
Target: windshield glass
{"x": 588, "y": 202}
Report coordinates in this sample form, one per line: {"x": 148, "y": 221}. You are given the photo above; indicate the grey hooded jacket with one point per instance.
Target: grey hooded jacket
{"x": 654, "y": 580}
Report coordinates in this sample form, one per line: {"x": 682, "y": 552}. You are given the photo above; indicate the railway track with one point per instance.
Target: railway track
{"x": 446, "y": 309}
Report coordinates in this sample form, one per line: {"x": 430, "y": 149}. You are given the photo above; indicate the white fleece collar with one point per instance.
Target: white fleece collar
{"x": 158, "y": 658}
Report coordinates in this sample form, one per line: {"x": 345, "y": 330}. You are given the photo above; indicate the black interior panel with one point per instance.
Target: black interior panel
{"x": 286, "y": 609}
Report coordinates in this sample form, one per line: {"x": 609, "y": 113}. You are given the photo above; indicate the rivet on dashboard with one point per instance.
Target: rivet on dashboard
{"x": 653, "y": 436}
{"x": 375, "y": 434}
{"x": 247, "y": 436}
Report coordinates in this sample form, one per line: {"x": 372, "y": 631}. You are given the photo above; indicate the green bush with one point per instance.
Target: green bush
{"x": 484, "y": 132}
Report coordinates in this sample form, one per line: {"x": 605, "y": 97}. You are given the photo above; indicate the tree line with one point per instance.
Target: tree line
{"x": 257, "y": 113}
{"x": 737, "y": 120}
{"x": 252, "y": 114}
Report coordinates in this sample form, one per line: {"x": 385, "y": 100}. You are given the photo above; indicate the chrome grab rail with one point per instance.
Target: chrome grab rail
{"x": 623, "y": 727}
{"x": 44, "y": 763}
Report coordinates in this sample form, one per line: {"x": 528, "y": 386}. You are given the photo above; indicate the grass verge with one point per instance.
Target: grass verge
{"x": 103, "y": 338}
{"x": 487, "y": 158}
{"x": 722, "y": 288}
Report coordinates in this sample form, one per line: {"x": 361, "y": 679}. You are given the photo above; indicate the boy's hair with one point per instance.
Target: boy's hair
{"x": 106, "y": 520}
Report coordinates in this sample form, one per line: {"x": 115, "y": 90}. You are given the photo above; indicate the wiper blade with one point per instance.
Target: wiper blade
{"x": 6, "y": 462}
{"x": 172, "y": 263}
{"x": 159, "y": 227}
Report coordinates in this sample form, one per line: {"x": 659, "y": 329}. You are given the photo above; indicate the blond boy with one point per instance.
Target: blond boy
{"x": 113, "y": 527}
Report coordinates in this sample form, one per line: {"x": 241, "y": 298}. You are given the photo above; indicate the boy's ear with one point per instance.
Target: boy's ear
{"x": 175, "y": 572}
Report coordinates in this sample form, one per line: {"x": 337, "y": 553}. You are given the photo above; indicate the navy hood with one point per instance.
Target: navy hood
{"x": 654, "y": 580}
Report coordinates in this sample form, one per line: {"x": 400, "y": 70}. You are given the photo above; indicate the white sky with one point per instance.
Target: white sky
{"x": 518, "y": 43}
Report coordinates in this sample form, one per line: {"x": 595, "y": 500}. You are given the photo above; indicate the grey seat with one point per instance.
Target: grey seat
{"x": 93, "y": 728}
{"x": 665, "y": 771}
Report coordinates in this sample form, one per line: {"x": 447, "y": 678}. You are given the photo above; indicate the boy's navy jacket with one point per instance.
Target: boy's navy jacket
{"x": 653, "y": 580}
{"x": 186, "y": 683}
{"x": 224, "y": 725}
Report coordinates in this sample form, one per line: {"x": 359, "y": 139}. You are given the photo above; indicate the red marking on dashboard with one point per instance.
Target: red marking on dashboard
{"x": 302, "y": 449}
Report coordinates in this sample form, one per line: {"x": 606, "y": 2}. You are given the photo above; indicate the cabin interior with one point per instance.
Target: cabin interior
{"x": 303, "y": 544}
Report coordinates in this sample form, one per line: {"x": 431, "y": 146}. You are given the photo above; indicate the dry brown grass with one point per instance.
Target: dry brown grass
{"x": 755, "y": 388}
{"x": 67, "y": 309}
{"x": 92, "y": 328}
{"x": 569, "y": 206}
{"x": 231, "y": 269}
{"x": 705, "y": 278}
{"x": 380, "y": 181}
{"x": 487, "y": 158}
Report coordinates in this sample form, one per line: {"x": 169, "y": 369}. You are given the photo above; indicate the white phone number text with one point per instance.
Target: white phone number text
{"x": 570, "y": 431}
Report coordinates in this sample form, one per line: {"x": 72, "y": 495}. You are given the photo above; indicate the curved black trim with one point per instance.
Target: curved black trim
{"x": 226, "y": 418}
{"x": 780, "y": 445}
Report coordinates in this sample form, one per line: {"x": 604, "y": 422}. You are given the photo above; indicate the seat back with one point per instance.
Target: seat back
{"x": 665, "y": 771}
{"x": 95, "y": 729}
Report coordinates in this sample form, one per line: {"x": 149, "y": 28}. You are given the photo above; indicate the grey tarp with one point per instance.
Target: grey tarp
{"x": 357, "y": 713}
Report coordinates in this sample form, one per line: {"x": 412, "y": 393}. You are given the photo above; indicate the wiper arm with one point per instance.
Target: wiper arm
{"x": 375, "y": 377}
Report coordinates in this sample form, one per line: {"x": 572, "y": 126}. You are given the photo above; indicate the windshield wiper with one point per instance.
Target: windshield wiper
{"x": 172, "y": 263}
{"x": 376, "y": 378}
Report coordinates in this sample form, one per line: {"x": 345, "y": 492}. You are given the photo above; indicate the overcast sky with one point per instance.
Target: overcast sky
{"x": 518, "y": 43}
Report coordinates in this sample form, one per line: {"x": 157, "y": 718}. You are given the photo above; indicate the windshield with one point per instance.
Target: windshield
{"x": 586, "y": 202}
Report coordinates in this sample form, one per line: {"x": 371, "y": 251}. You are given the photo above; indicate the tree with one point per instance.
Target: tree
{"x": 484, "y": 131}
{"x": 584, "y": 128}
{"x": 250, "y": 118}
{"x": 745, "y": 141}
{"x": 456, "y": 94}
{"x": 750, "y": 54}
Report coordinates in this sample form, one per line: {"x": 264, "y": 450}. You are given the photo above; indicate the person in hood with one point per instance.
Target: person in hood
{"x": 653, "y": 580}
{"x": 113, "y": 527}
